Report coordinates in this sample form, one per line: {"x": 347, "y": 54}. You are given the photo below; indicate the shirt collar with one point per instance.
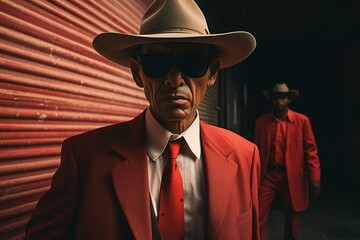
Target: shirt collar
{"x": 288, "y": 117}
{"x": 157, "y": 136}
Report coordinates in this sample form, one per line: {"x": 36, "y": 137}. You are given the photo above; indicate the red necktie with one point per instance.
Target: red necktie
{"x": 171, "y": 209}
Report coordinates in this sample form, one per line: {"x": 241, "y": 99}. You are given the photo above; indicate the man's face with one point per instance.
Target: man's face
{"x": 175, "y": 78}
{"x": 280, "y": 102}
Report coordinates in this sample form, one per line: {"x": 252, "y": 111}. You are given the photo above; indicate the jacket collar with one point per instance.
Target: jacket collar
{"x": 290, "y": 115}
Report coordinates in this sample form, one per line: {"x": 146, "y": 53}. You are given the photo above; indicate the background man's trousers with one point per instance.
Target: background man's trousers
{"x": 275, "y": 184}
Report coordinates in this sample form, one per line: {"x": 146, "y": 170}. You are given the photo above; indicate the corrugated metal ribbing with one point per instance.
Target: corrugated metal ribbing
{"x": 54, "y": 85}
{"x": 209, "y": 107}
{"x": 234, "y": 96}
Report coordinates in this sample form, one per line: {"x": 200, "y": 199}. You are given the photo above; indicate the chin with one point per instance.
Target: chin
{"x": 177, "y": 115}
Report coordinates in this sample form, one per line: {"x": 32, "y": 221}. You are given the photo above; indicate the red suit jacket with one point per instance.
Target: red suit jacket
{"x": 100, "y": 190}
{"x": 301, "y": 155}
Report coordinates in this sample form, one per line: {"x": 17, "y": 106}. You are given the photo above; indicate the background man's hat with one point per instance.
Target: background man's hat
{"x": 281, "y": 88}
{"x": 178, "y": 21}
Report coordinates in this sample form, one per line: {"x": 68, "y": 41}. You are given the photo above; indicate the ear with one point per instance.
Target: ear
{"x": 214, "y": 70}
{"x": 135, "y": 70}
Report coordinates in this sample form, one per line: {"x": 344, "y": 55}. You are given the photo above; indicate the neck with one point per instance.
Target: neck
{"x": 177, "y": 127}
{"x": 280, "y": 114}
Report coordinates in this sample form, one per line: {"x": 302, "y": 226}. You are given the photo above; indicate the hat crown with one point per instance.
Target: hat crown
{"x": 174, "y": 16}
{"x": 280, "y": 88}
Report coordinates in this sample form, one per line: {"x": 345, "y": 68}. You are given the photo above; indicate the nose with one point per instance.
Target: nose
{"x": 174, "y": 78}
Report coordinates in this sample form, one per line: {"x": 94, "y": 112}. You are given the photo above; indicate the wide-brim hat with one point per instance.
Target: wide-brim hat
{"x": 281, "y": 88}
{"x": 175, "y": 21}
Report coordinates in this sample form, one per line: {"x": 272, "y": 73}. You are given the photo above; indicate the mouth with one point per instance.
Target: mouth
{"x": 175, "y": 99}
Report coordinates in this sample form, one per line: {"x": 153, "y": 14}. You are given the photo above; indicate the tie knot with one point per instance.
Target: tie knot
{"x": 174, "y": 148}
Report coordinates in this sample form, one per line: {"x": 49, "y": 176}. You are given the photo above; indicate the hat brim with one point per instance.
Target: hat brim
{"x": 292, "y": 94}
{"x": 233, "y": 47}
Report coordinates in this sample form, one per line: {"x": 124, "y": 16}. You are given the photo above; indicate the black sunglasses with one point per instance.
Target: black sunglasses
{"x": 276, "y": 96}
{"x": 158, "y": 65}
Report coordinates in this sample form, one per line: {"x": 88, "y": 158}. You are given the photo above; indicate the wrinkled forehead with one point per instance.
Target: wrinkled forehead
{"x": 177, "y": 48}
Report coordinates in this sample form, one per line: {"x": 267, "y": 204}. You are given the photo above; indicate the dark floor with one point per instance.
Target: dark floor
{"x": 331, "y": 216}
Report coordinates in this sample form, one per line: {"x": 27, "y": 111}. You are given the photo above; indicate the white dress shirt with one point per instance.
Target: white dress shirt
{"x": 191, "y": 168}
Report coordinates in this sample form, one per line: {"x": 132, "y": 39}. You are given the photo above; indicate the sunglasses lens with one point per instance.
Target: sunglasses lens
{"x": 156, "y": 65}
{"x": 194, "y": 66}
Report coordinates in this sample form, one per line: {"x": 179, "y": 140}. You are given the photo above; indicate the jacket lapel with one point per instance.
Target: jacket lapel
{"x": 130, "y": 178}
{"x": 290, "y": 131}
{"x": 268, "y": 139}
{"x": 219, "y": 186}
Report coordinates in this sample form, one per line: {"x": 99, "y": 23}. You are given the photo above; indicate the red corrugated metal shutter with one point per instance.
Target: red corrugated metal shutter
{"x": 54, "y": 85}
{"x": 209, "y": 107}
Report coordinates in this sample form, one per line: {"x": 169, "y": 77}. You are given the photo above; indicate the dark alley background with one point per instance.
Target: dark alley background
{"x": 314, "y": 47}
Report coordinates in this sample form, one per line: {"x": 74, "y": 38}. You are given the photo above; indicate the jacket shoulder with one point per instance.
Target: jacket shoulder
{"x": 298, "y": 116}
{"x": 264, "y": 117}
{"x": 109, "y": 132}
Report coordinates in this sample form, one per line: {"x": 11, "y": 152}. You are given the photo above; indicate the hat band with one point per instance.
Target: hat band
{"x": 177, "y": 30}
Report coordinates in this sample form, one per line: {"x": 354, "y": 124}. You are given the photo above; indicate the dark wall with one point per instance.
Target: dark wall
{"x": 313, "y": 46}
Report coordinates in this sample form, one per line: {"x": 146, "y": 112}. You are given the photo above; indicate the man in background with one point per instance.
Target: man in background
{"x": 289, "y": 160}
